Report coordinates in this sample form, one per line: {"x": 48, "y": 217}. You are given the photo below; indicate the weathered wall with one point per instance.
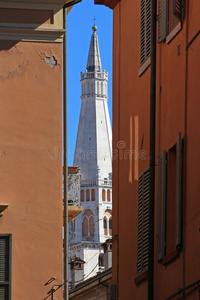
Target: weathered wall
{"x": 31, "y": 173}
{"x": 177, "y": 110}
{"x": 130, "y": 135}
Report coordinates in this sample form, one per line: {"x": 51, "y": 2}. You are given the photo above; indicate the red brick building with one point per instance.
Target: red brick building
{"x": 177, "y": 148}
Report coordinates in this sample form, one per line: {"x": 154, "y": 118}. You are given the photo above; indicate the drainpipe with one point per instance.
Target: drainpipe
{"x": 71, "y": 3}
{"x": 65, "y": 155}
{"x": 152, "y": 150}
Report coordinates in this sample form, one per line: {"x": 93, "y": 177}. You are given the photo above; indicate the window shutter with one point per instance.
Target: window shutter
{"x": 178, "y": 8}
{"x": 162, "y": 20}
{"x": 145, "y": 30}
{"x": 161, "y": 216}
{"x": 143, "y": 222}
{"x": 178, "y": 190}
{"x": 5, "y": 261}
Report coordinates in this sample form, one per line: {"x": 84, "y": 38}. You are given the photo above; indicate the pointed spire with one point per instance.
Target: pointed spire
{"x": 94, "y": 59}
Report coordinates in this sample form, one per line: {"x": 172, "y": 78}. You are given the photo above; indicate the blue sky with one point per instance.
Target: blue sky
{"x": 79, "y": 31}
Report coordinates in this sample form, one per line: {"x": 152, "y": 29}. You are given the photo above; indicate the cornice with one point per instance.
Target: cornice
{"x": 47, "y": 2}
{"x": 109, "y": 3}
{"x": 23, "y": 34}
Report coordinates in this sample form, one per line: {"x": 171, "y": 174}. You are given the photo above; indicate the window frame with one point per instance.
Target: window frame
{"x": 8, "y": 283}
{"x": 162, "y": 255}
{"x": 164, "y": 13}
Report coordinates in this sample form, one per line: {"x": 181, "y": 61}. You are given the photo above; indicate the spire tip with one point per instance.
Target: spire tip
{"x": 94, "y": 28}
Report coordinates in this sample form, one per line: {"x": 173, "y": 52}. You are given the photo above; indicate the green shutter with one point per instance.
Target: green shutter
{"x": 162, "y": 20}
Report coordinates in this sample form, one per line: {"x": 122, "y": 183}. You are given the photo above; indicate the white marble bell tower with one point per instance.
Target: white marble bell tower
{"x": 93, "y": 155}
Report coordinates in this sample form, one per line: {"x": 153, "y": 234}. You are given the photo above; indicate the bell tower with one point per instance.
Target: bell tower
{"x": 93, "y": 155}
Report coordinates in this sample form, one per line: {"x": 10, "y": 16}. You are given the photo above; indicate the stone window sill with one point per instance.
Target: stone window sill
{"x": 144, "y": 66}
{"x": 173, "y": 33}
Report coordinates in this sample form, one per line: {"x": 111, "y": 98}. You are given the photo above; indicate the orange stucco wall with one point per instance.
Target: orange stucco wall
{"x": 31, "y": 173}
{"x": 177, "y": 109}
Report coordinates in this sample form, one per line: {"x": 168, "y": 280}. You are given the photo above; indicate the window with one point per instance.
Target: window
{"x": 107, "y": 222}
{"x": 110, "y": 226}
{"x": 103, "y": 195}
{"x": 170, "y": 13}
{"x": 105, "y": 225}
{"x": 82, "y": 195}
{"x": 93, "y": 194}
{"x": 88, "y": 195}
{"x": 5, "y": 266}
{"x": 91, "y": 225}
{"x": 85, "y": 226}
{"x": 143, "y": 222}
{"x": 145, "y": 30}
{"x": 108, "y": 195}
{"x": 169, "y": 213}
{"x": 102, "y": 88}
{"x": 71, "y": 229}
{"x": 88, "y": 224}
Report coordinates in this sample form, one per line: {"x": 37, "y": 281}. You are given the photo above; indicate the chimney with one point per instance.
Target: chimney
{"x": 77, "y": 271}
{"x": 107, "y": 246}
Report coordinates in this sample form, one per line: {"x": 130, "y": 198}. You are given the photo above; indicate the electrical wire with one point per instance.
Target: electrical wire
{"x": 63, "y": 284}
{"x": 87, "y": 261}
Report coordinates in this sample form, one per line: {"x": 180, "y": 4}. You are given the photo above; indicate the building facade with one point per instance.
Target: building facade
{"x": 93, "y": 155}
{"x": 177, "y": 172}
{"x": 31, "y": 205}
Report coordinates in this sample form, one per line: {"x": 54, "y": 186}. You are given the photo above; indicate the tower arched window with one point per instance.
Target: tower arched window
{"x": 87, "y": 195}
{"x": 82, "y": 195}
{"x": 105, "y": 229}
{"x": 103, "y": 195}
{"x": 93, "y": 194}
{"x": 108, "y": 195}
{"x": 102, "y": 88}
{"x": 97, "y": 88}
{"x": 107, "y": 222}
{"x": 110, "y": 225}
{"x": 93, "y": 87}
{"x": 88, "y": 224}
{"x": 91, "y": 226}
{"x": 85, "y": 226}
